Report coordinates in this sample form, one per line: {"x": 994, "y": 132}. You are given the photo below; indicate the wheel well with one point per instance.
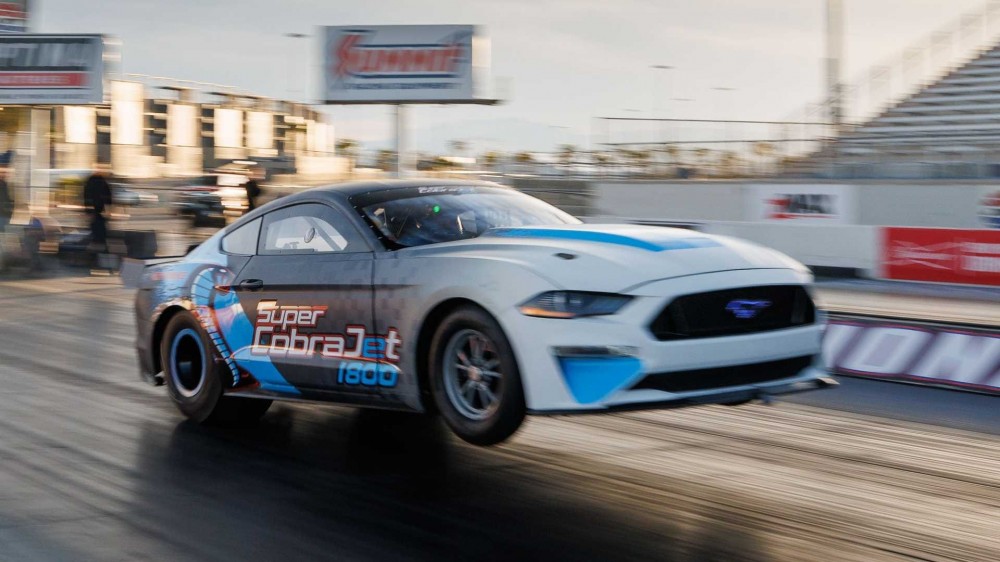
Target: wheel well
{"x": 427, "y": 329}
{"x": 158, "y": 328}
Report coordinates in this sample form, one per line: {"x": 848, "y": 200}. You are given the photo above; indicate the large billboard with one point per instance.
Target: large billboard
{"x": 404, "y": 64}
{"x": 51, "y": 69}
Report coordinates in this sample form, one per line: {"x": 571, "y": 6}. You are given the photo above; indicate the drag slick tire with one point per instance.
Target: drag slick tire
{"x": 194, "y": 381}
{"x": 474, "y": 378}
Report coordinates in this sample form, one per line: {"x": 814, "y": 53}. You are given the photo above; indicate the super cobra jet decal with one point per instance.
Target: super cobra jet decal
{"x": 366, "y": 359}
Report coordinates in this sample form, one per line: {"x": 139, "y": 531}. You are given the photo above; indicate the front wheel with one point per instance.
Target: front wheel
{"x": 193, "y": 379}
{"x": 474, "y": 378}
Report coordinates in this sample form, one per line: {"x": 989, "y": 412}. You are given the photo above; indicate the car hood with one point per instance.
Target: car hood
{"x": 613, "y": 257}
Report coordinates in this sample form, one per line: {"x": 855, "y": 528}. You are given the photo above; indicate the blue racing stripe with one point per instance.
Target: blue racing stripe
{"x": 648, "y": 242}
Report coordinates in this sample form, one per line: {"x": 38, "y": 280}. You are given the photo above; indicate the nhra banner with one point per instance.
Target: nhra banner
{"x": 51, "y": 69}
{"x": 908, "y": 351}
{"x": 802, "y": 204}
{"x": 941, "y": 255}
{"x": 403, "y": 63}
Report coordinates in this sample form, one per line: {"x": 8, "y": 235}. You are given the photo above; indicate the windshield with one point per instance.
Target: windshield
{"x": 430, "y": 215}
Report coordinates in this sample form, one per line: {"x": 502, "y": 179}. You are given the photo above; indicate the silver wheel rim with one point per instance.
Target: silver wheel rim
{"x": 472, "y": 376}
{"x": 187, "y": 363}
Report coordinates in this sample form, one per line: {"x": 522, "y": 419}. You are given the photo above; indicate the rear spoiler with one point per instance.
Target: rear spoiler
{"x": 132, "y": 269}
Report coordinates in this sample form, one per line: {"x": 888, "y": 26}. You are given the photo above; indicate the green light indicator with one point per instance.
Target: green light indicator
{"x": 437, "y": 208}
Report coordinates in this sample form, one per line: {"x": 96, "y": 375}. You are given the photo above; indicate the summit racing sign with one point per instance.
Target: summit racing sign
{"x": 51, "y": 69}
{"x": 402, "y": 63}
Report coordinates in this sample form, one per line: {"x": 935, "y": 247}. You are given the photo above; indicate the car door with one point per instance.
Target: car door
{"x": 308, "y": 294}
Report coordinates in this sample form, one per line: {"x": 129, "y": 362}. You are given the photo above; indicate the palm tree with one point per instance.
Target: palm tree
{"x": 602, "y": 159}
{"x": 566, "y": 153}
{"x": 490, "y": 159}
{"x": 349, "y": 148}
{"x": 764, "y": 151}
{"x": 458, "y": 146}
{"x": 386, "y": 160}
{"x": 701, "y": 156}
{"x": 728, "y": 163}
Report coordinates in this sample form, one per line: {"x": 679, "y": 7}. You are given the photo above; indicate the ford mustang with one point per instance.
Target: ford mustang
{"x": 471, "y": 300}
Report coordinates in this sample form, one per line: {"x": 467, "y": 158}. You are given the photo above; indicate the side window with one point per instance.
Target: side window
{"x": 309, "y": 228}
{"x": 243, "y": 240}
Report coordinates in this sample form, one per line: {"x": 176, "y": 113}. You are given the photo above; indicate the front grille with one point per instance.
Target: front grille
{"x": 734, "y": 311}
{"x": 721, "y": 377}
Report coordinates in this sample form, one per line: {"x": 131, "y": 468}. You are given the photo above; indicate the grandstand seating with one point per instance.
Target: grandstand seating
{"x": 933, "y": 132}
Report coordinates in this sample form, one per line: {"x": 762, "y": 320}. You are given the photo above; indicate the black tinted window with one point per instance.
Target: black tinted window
{"x": 243, "y": 240}
{"x": 432, "y": 214}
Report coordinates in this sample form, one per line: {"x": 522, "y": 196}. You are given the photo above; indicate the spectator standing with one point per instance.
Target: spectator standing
{"x": 6, "y": 201}
{"x": 253, "y": 189}
{"x": 96, "y": 199}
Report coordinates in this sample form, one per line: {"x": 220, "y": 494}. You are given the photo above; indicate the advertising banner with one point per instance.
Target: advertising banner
{"x": 988, "y": 210}
{"x": 917, "y": 352}
{"x": 802, "y": 203}
{"x": 14, "y": 16}
{"x": 403, "y": 64}
{"x": 942, "y": 255}
{"x": 51, "y": 69}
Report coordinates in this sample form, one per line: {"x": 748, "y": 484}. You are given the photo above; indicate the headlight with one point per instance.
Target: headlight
{"x": 573, "y": 304}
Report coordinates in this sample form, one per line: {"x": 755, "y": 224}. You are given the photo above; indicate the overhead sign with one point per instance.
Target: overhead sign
{"x": 404, "y": 64}
{"x": 925, "y": 353}
{"x": 801, "y": 204}
{"x": 51, "y": 69}
{"x": 943, "y": 255}
{"x": 14, "y": 16}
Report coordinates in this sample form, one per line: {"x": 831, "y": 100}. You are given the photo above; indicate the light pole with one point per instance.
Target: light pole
{"x": 654, "y": 109}
{"x": 718, "y": 102}
{"x": 291, "y": 67}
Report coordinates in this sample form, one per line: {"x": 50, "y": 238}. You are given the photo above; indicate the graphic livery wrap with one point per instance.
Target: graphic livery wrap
{"x": 217, "y": 307}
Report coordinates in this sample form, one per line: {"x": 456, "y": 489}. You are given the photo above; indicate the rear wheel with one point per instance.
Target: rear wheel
{"x": 193, "y": 379}
{"x": 474, "y": 378}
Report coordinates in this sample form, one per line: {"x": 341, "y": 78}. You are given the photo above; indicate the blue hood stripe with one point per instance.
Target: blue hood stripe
{"x": 646, "y": 243}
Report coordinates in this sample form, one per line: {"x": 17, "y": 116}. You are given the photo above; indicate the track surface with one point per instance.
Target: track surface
{"x": 95, "y": 465}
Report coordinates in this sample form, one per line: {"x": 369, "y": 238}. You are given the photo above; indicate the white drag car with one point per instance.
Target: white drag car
{"x": 473, "y": 300}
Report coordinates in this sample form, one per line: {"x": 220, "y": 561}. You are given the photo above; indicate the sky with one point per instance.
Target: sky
{"x": 556, "y": 63}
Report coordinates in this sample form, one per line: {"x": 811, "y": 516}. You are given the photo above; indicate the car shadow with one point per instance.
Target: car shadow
{"x": 332, "y": 483}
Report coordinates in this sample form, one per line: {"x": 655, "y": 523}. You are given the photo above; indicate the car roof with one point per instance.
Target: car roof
{"x": 347, "y": 189}
{"x": 339, "y": 193}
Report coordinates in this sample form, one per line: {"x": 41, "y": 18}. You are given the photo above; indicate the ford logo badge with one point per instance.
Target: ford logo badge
{"x": 746, "y": 309}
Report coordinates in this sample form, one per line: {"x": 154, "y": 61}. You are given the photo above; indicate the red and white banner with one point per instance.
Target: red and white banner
{"x": 43, "y": 79}
{"x": 404, "y": 64}
{"x": 930, "y": 354}
{"x": 802, "y": 203}
{"x": 941, "y": 255}
{"x": 42, "y": 69}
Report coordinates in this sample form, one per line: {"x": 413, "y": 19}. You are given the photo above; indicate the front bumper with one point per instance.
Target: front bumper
{"x": 731, "y": 395}
{"x": 556, "y": 381}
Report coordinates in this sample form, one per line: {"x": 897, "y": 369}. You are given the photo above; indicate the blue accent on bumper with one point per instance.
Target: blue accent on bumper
{"x": 591, "y": 379}
{"x": 648, "y": 242}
